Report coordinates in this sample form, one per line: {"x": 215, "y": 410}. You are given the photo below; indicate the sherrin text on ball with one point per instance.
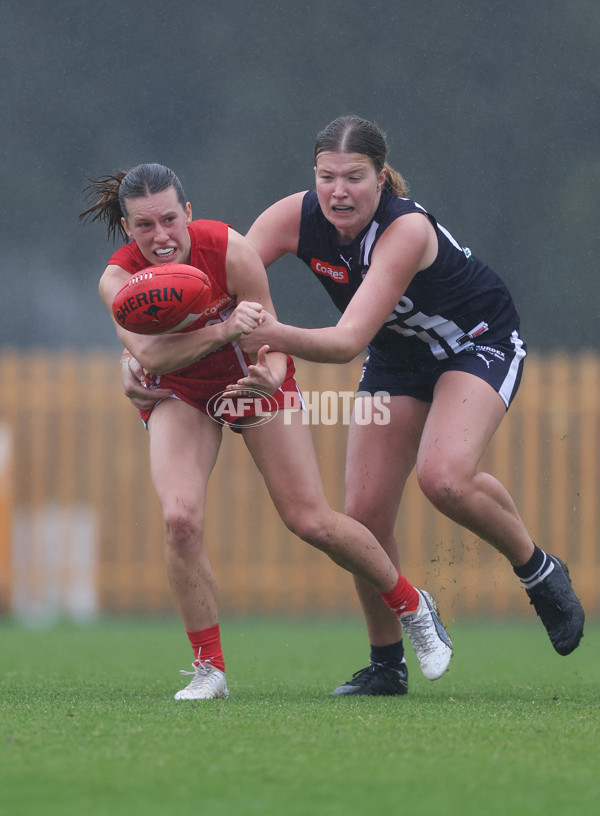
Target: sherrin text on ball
{"x": 162, "y": 299}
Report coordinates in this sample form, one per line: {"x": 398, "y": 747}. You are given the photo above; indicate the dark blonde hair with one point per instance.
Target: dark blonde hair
{"x": 110, "y": 194}
{"x": 351, "y": 134}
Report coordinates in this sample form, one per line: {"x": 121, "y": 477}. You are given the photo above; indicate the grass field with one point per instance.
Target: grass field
{"x": 88, "y": 725}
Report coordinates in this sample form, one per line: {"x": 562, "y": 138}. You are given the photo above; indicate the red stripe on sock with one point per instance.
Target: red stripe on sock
{"x": 207, "y": 644}
{"x": 402, "y": 598}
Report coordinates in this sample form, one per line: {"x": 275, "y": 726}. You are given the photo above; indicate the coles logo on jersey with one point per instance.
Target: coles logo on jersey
{"x": 337, "y": 273}
{"x": 218, "y": 310}
{"x": 217, "y": 306}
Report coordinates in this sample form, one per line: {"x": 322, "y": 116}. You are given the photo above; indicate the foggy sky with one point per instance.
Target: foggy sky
{"x": 491, "y": 111}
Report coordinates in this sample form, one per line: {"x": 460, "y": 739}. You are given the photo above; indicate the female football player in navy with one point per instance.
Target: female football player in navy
{"x": 184, "y": 372}
{"x": 443, "y": 339}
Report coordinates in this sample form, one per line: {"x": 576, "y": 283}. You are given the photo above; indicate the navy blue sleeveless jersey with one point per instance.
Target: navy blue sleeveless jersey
{"x": 447, "y": 308}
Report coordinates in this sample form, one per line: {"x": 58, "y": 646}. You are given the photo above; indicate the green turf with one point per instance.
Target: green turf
{"x": 88, "y": 725}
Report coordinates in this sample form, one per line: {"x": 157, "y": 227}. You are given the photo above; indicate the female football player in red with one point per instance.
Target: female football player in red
{"x": 182, "y": 372}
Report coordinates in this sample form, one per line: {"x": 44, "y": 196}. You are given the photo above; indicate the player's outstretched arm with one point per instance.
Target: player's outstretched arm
{"x": 408, "y": 245}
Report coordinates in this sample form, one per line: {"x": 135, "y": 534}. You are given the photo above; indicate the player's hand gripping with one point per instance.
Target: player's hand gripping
{"x": 246, "y": 317}
{"x": 261, "y": 334}
{"x": 261, "y": 377}
{"x": 134, "y": 385}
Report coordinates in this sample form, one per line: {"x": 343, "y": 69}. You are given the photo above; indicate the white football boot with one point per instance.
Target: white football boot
{"x": 429, "y": 639}
{"x": 207, "y": 683}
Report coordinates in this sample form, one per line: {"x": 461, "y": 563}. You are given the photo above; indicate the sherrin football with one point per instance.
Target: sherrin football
{"x": 162, "y": 299}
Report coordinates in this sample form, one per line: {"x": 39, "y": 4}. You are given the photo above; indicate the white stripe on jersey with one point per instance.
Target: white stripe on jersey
{"x": 367, "y": 243}
{"x": 223, "y": 315}
{"x": 445, "y": 329}
{"x": 450, "y": 237}
{"x": 240, "y": 355}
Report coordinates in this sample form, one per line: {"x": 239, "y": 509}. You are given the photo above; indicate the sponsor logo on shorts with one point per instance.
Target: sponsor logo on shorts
{"x": 493, "y": 351}
{"x": 485, "y": 359}
{"x": 499, "y": 355}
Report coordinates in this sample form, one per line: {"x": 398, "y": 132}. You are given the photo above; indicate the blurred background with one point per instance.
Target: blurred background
{"x": 492, "y": 115}
{"x": 491, "y": 109}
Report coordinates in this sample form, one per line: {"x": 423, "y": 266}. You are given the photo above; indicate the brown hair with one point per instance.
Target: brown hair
{"x": 110, "y": 194}
{"x": 351, "y": 134}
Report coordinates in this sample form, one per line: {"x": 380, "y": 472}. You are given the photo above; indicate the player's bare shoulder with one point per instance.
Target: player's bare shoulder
{"x": 276, "y": 231}
{"x": 246, "y": 275}
{"x": 411, "y": 240}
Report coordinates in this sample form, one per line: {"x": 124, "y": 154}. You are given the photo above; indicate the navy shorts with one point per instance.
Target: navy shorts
{"x": 500, "y": 365}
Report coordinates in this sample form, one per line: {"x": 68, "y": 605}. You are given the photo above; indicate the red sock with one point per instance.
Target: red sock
{"x": 206, "y": 644}
{"x": 402, "y": 598}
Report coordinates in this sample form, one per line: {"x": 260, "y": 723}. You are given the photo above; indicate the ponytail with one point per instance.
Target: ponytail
{"x": 106, "y": 206}
{"x": 395, "y": 183}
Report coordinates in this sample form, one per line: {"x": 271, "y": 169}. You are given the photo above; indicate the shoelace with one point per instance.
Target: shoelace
{"x": 200, "y": 669}
{"x": 420, "y": 634}
{"x": 366, "y": 670}
{"x": 373, "y": 665}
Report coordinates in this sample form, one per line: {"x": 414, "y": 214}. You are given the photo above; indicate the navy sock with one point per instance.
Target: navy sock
{"x": 536, "y": 565}
{"x": 391, "y": 655}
